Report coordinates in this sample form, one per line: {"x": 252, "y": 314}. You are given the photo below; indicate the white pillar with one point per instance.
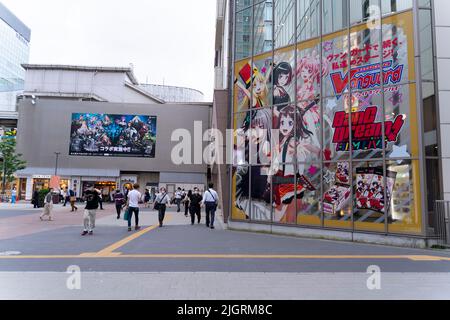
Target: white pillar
{"x": 29, "y": 189}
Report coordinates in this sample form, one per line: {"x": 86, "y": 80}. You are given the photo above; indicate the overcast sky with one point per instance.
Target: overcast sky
{"x": 165, "y": 40}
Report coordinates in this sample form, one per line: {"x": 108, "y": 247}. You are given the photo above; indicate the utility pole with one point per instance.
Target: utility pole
{"x": 56, "y": 164}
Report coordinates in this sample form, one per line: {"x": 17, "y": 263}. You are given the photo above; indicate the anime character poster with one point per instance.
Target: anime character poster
{"x": 371, "y": 186}
{"x": 253, "y": 187}
{"x": 376, "y": 71}
{"x": 284, "y": 78}
{"x": 95, "y": 134}
{"x": 339, "y": 192}
{"x": 253, "y": 83}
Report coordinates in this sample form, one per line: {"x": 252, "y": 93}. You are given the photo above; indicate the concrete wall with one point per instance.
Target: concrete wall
{"x": 442, "y": 25}
{"x": 44, "y": 128}
{"x": 107, "y": 85}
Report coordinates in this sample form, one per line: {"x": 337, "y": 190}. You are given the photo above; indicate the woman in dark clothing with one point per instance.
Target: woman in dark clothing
{"x": 35, "y": 199}
{"x": 186, "y": 203}
{"x": 147, "y": 198}
{"x": 119, "y": 200}
{"x": 194, "y": 206}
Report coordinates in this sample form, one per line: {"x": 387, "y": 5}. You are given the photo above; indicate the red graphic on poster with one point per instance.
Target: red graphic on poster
{"x": 367, "y": 134}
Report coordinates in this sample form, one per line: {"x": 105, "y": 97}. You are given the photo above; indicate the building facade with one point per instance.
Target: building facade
{"x": 346, "y": 96}
{"x": 96, "y": 125}
{"x": 14, "y": 51}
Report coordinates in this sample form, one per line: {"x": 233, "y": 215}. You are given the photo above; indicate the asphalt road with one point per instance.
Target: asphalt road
{"x": 180, "y": 251}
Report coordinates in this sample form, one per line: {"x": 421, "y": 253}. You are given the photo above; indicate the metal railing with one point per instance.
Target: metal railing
{"x": 442, "y": 222}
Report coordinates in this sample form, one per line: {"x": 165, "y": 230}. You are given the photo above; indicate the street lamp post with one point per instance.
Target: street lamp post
{"x": 56, "y": 163}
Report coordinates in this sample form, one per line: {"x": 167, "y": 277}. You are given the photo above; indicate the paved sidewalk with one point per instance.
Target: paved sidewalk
{"x": 27, "y": 222}
{"x": 224, "y": 286}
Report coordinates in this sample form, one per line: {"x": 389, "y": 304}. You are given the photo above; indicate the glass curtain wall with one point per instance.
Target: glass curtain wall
{"x": 325, "y": 109}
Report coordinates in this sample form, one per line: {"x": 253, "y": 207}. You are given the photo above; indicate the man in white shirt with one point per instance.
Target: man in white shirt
{"x": 178, "y": 197}
{"x": 134, "y": 197}
{"x": 210, "y": 201}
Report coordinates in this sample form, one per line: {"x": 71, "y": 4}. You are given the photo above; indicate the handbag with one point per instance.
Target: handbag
{"x": 158, "y": 205}
{"x": 73, "y": 199}
{"x": 126, "y": 214}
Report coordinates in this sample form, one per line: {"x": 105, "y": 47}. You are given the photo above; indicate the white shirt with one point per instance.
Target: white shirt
{"x": 210, "y": 195}
{"x": 133, "y": 198}
{"x": 162, "y": 198}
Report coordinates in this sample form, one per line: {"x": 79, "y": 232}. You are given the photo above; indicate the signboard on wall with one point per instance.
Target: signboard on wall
{"x": 112, "y": 135}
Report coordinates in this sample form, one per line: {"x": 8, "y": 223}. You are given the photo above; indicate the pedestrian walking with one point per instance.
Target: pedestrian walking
{"x": 186, "y": 203}
{"x": 13, "y": 195}
{"x": 92, "y": 198}
{"x": 48, "y": 206}
{"x": 210, "y": 201}
{"x": 100, "y": 201}
{"x": 72, "y": 200}
{"x": 35, "y": 199}
{"x": 195, "y": 200}
{"x": 162, "y": 201}
{"x": 66, "y": 196}
{"x": 178, "y": 197}
{"x": 119, "y": 200}
{"x": 147, "y": 198}
{"x": 134, "y": 197}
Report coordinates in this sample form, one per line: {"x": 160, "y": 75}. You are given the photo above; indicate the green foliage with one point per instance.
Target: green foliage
{"x": 41, "y": 196}
{"x": 11, "y": 161}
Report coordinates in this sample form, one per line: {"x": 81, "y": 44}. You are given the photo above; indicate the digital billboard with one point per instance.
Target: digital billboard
{"x": 112, "y": 135}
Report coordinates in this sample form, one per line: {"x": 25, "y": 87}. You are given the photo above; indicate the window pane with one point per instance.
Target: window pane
{"x": 337, "y": 195}
{"x": 263, "y": 38}
{"x": 262, "y": 81}
{"x": 334, "y": 15}
{"x": 284, "y": 23}
{"x": 405, "y": 213}
{"x": 369, "y": 202}
{"x": 283, "y": 77}
{"x": 308, "y": 19}
{"x": 243, "y": 34}
{"x": 308, "y": 202}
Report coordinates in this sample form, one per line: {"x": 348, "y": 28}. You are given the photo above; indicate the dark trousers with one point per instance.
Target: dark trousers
{"x": 186, "y": 208}
{"x": 101, "y": 204}
{"x": 210, "y": 208}
{"x": 130, "y": 215}
{"x": 195, "y": 211}
{"x": 161, "y": 213}
{"x": 118, "y": 209}
{"x": 66, "y": 199}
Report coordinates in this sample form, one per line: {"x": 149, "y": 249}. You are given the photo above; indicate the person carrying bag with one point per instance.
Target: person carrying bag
{"x": 210, "y": 201}
{"x": 161, "y": 203}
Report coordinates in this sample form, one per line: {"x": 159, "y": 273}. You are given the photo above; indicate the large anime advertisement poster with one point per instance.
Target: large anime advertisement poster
{"x": 332, "y": 102}
{"x": 93, "y": 134}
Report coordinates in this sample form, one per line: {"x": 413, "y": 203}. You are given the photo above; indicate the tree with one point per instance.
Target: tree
{"x": 11, "y": 161}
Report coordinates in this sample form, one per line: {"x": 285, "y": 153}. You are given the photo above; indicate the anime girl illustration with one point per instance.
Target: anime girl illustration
{"x": 259, "y": 84}
{"x": 257, "y": 134}
{"x": 294, "y": 139}
{"x": 282, "y": 77}
{"x": 309, "y": 71}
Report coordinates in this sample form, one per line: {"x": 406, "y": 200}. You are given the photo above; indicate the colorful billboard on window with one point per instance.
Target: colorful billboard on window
{"x": 112, "y": 135}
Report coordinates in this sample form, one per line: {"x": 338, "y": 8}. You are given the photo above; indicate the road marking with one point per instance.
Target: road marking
{"x": 109, "y": 251}
{"x": 112, "y": 255}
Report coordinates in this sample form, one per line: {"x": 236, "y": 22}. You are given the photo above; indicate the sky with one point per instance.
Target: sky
{"x": 167, "y": 41}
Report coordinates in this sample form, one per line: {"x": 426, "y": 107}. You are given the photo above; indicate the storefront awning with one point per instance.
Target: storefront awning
{"x": 68, "y": 172}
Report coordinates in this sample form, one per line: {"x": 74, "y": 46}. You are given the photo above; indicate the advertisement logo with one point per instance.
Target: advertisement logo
{"x": 367, "y": 77}
{"x": 367, "y": 134}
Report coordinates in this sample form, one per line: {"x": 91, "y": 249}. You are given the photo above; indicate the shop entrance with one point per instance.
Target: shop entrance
{"x": 107, "y": 188}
